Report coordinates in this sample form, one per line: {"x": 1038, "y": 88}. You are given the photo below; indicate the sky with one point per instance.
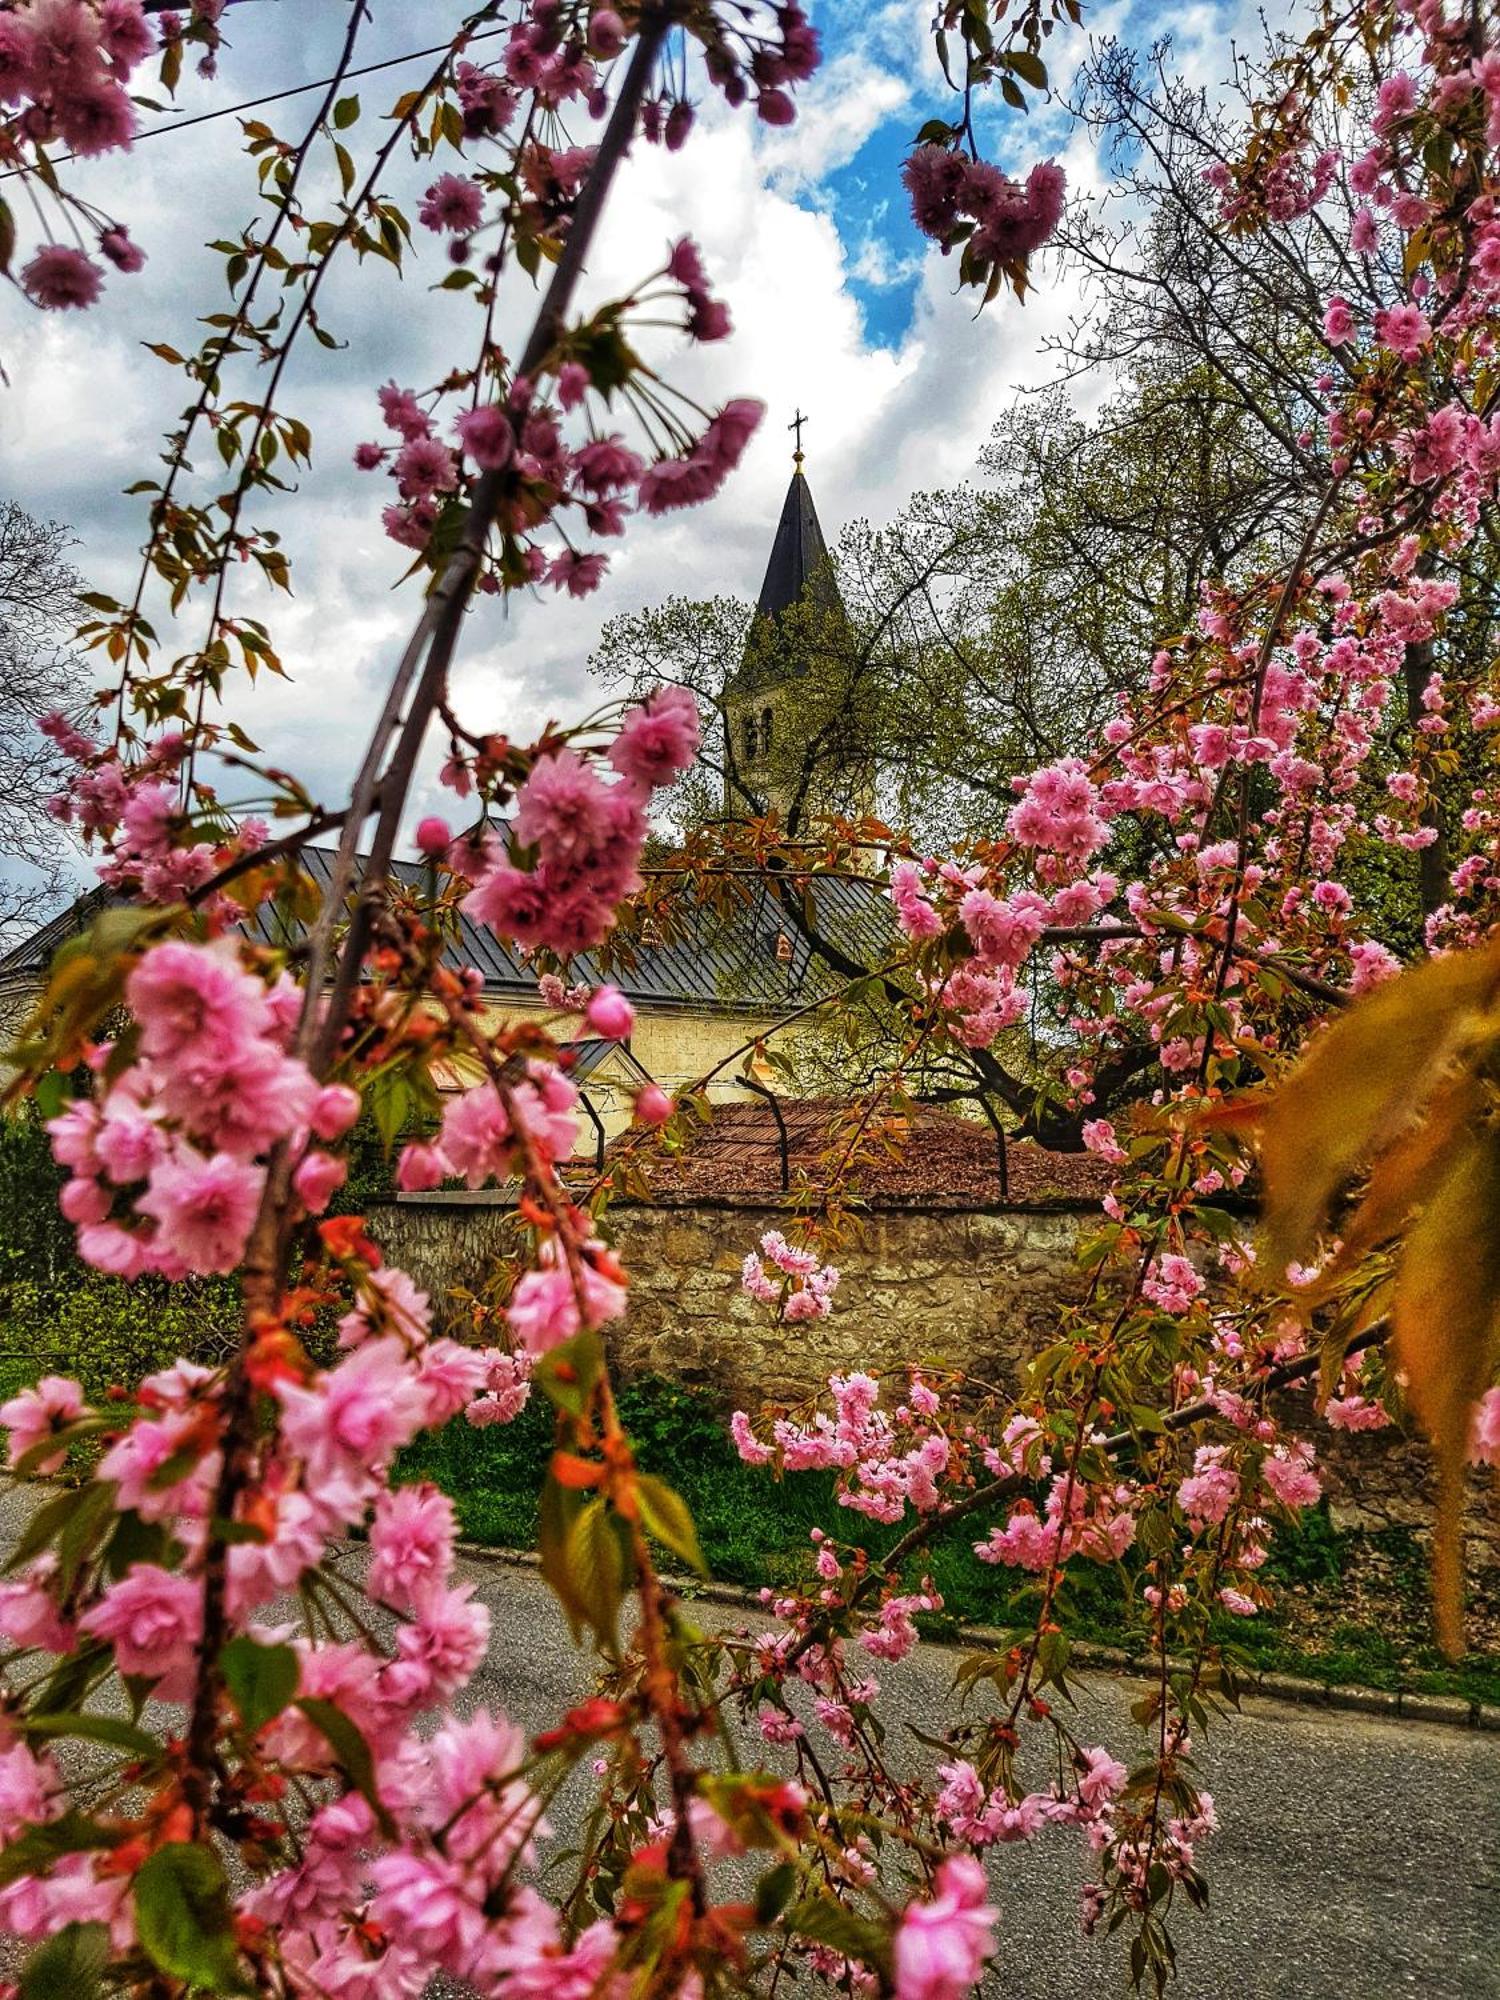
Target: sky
{"x": 839, "y": 308}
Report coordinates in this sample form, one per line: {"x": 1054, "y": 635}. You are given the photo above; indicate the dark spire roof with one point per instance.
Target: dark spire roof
{"x": 799, "y": 557}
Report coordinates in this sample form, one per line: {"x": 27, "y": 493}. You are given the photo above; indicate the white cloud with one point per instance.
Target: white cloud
{"x": 88, "y": 406}
{"x": 849, "y": 99}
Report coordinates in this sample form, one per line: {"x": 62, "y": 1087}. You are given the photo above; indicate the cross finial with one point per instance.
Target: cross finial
{"x": 796, "y": 425}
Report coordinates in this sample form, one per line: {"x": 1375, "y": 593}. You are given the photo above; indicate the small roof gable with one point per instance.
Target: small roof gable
{"x": 30, "y": 955}
{"x": 585, "y": 1057}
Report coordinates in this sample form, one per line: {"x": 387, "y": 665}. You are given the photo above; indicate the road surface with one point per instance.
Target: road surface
{"x": 1358, "y": 1858}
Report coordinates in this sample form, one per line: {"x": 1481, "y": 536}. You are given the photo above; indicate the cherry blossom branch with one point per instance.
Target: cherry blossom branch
{"x": 437, "y": 631}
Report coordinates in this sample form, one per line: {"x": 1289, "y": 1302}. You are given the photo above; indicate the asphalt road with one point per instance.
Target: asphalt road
{"x": 1357, "y": 1858}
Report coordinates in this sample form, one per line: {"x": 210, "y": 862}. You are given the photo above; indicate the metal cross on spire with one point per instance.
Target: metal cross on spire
{"x": 796, "y": 425}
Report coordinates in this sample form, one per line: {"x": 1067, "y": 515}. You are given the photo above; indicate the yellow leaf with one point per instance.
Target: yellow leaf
{"x": 1445, "y": 1319}
{"x": 1361, "y": 1080}
{"x": 1403, "y": 1176}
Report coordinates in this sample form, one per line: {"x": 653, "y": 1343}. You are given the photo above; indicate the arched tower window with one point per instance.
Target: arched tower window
{"x": 751, "y": 743}
{"x": 765, "y": 730}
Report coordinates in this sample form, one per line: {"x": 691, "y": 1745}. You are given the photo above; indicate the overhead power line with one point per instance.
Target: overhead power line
{"x": 277, "y": 96}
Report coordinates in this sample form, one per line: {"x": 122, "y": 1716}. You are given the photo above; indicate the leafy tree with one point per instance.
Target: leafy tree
{"x": 40, "y": 672}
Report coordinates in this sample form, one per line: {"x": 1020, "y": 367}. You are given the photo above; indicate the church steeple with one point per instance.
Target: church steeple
{"x": 799, "y": 568}
{"x": 792, "y": 689}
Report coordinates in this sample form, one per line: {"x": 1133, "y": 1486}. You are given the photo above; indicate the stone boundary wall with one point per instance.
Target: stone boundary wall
{"x": 959, "y": 1288}
{"x": 955, "y": 1287}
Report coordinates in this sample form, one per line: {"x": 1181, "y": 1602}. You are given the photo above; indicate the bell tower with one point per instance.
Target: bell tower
{"x": 791, "y": 709}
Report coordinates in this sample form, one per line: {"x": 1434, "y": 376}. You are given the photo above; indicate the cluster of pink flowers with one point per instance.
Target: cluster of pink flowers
{"x": 1485, "y": 1437}
{"x": 1211, "y": 1489}
{"x": 999, "y": 221}
{"x": 804, "y": 1286}
{"x": 66, "y": 63}
{"x": 486, "y": 1137}
{"x": 153, "y": 850}
{"x": 166, "y": 1162}
{"x": 417, "y": 1832}
{"x": 886, "y": 1461}
{"x": 1172, "y": 1282}
{"x": 943, "y": 1943}
{"x": 550, "y": 482}
{"x": 1079, "y": 1518}
{"x": 984, "y": 994}
{"x": 983, "y": 1818}
{"x": 586, "y": 833}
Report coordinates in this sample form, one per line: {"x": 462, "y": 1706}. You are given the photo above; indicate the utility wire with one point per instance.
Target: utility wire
{"x": 276, "y": 96}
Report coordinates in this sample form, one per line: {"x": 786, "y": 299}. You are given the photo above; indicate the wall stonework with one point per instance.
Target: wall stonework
{"x": 977, "y": 1290}
{"x": 963, "y": 1288}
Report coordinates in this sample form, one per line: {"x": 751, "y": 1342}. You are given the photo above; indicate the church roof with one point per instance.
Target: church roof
{"x": 799, "y": 562}
{"x": 751, "y": 959}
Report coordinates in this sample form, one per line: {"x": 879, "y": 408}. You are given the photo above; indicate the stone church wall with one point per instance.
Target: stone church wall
{"x": 977, "y": 1290}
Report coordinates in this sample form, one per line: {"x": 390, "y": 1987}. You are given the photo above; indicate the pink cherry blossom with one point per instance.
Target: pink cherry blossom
{"x": 61, "y": 279}
{"x": 657, "y": 739}
{"x": 357, "y": 1415}
{"x": 941, "y": 1945}
{"x": 36, "y": 1414}
{"x": 153, "y": 1618}
{"x": 453, "y": 203}
{"x": 411, "y": 1543}
{"x": 204, "y": 1207}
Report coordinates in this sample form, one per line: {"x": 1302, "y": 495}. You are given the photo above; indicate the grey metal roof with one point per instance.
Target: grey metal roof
{"x": 700, "y": 958}
{"x": 27, "y": 958}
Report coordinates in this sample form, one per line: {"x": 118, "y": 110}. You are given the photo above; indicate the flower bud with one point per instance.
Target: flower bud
{"x": 653, "y": 1106}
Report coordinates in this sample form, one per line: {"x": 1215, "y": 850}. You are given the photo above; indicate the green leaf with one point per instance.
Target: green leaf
{"x": 557, "y": 1509}
{"x": 390, "y": 1103}
{"x": 262, "y": 1679}
{"x": 666, "y": 1515}
{"x": 34, "y": 1851}
{"x": 46, "y": 1523}
{"x": 76, "y": 1673}
{"x": 568, "y": 1374}
{"x": 1030, "y": 68}
{"x": 68, "y": 1966}
{"x": 51, "y": 1093}
{"x": 111, "y": 1729}
{"x": 774, "y": 1891}
{"x": 134, "y": 1540}
{"x": 597, "y": 1560}
{"x": 83, "y": 1529}
{"x": 344, "y": 113}
{"x": 349, "y": 1748}
{"x": 827, "y": 1922}
{"x": 183, "y": 1919}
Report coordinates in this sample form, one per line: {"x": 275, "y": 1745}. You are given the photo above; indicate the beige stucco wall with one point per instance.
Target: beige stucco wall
{"x": 677, "y": 1048}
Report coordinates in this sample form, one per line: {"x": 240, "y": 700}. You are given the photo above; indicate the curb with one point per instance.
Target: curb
{"x": 1453, "y": 1711}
